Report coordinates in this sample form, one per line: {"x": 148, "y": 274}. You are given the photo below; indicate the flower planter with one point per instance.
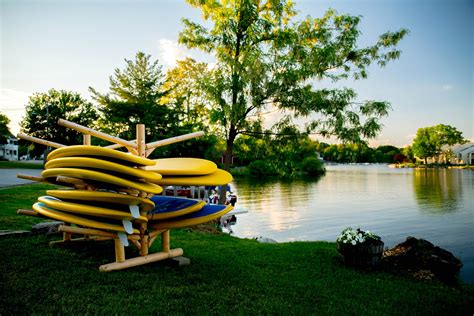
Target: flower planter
{"x": 368, "y": 254}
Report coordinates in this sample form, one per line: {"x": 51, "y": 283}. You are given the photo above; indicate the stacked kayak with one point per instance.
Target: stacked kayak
{"x": 115, "y": 182}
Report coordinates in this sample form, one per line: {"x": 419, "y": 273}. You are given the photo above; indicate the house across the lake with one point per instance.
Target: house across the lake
{"x": 464, "y": 154}
{"x": 9, "y": 151}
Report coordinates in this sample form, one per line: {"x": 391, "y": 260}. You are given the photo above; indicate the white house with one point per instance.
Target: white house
{"x": 9, "y": 151}
{"x": 464, "y": 153}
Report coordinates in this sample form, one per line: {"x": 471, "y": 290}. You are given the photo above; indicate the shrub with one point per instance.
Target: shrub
{"x": 260, "y": 168}
{"x": 312, "y": 166}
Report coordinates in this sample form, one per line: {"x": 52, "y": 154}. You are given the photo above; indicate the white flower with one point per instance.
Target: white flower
{"x": 353, "y": 242}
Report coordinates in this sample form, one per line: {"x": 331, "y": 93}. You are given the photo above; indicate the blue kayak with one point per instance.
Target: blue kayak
{"x": 169, "y": 207}
{"x": 207, "y": 213}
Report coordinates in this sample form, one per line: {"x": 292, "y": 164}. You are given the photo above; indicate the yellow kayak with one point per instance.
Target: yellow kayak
{"x": 183, "y": 167}
{"x": 145, "y": 205}
{"x": 101, "y": 177}
{"x": 68, "y": 218}
{"x": 219, "y": 177}
{"x": 93, "y": 163}
{"x": 107, "y": 153}
{"x": 89, "y": 210}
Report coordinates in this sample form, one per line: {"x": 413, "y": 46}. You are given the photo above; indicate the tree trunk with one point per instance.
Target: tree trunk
{"x": 229, "y": 148}
{"x": 228, "y": 159}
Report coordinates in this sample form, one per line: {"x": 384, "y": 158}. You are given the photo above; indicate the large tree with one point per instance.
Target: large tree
{"x": 135, "y": 97}
{"x": 4, "y": 131}
{"x": 43, "y": 111}
{"x": 264, "y": 57}
{"x": 434, "y": 140}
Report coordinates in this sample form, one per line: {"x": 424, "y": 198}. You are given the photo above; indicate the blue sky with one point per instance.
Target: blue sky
{"x": 76, "y": 44}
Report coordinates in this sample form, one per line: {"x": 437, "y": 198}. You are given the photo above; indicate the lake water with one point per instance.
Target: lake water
{"x": 436, "y": 205}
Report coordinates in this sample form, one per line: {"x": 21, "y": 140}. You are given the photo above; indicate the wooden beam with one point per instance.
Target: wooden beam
{"x": 31, "y": 178}
{"x": 90, "y": 131}
{"x": 85, "y": 231}
{"x": 69, "y": 180}
{"x": 140, "y": 142}
{"x": 119, "y": 251}
{"x": 152, "y": 146}
{"x": 86, "y": 139}
{"x": 40, "y": 141}
{"x": 28, "y": 213}
{"x": 138, "y": 261}
{"x": 117, "y": 146}
{"x": 165, "y": 241}
{"x": 137, "y": 244}
{"x": 156, "y": 232}
{"x": 141, "y": 151}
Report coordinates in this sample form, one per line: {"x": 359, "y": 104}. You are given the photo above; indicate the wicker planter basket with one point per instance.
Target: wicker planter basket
{"x": 361, "y": 255}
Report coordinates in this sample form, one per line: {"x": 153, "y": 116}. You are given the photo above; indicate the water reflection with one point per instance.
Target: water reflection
{"x": 438, "y": 190}
{"x": 436, "y": 205}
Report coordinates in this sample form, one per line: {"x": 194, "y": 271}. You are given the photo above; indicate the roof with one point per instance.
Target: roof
{"x": 462, "y": 148}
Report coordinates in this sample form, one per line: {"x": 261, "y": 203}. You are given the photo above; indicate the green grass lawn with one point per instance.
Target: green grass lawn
{"x": 227, "y": 275}
{"x": 20, "y": 165}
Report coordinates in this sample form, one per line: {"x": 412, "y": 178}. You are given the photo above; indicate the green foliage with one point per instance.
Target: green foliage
{"x": 408, "y": 152}
{"x": 4, "y": 131}
{"x": 280, "y": 152}
{"x": 135, "y": 98}
{"x": 312, "y": 166}
{"x": 432, "y": 141}
{"x": 208, "y": 147}
{"x": 261, "y": 168}
{"x": 183, "y": 85}
{"x": 43, "y": 111}
{"x": 266, "y": 57}
{"x": 361, "y": 153}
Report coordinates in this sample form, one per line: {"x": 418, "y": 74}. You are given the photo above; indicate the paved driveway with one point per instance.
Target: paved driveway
{"x": 8, "y": 176}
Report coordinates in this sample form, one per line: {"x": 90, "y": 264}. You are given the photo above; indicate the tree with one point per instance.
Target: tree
{"x": 265, "y": 58}
{"x": 183, "y": 84}
{"x": 431, "y": 141}
{"x": 135, "y": 98}
{"x": 43, "y": 111}
{"x": 4, "y": 131}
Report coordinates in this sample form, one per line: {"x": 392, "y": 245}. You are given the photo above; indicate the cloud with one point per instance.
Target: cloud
{"x": 170, "y": 51}
{"x": 12, "y": 104}
{"x": 448, "y": 87}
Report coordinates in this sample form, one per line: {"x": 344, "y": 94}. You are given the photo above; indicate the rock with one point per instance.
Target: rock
{"x": 265, "y": 240}
{"x": 423, "y": 260}
{"x": 6, "y": 233}
{"x": 46, "y": 228}
{"x": 178, "y": 261}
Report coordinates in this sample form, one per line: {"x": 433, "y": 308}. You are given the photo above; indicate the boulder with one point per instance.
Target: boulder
{"x": 423, "y": 260}
{"x": 46, "y": 228}
{"x": 265, "y": 240}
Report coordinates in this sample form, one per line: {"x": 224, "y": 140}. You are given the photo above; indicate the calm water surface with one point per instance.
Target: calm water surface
{"x": 436, "y": 205}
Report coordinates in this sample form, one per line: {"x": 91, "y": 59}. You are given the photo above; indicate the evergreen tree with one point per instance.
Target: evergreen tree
{"x": 135, "y": 97}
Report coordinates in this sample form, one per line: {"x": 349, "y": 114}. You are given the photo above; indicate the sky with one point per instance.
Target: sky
{"x": 76, "y": 44}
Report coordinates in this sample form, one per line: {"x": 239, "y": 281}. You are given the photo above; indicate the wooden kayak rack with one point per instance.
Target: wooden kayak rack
{"x": 142, "y": 241}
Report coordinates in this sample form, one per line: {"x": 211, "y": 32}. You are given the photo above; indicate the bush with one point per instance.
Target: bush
{"x": 260, "y": 168}
{"x": 312, "y": 166}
